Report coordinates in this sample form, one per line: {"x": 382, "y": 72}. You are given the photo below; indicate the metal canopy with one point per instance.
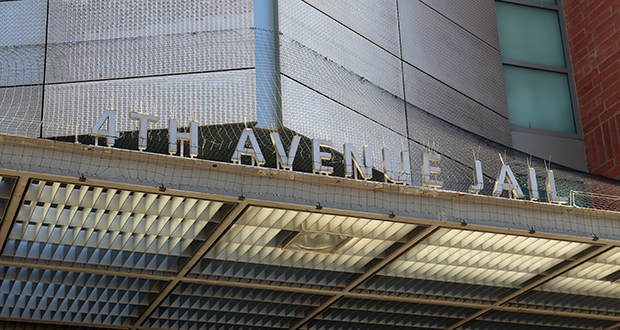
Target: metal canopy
{"x": 82, "y": 256}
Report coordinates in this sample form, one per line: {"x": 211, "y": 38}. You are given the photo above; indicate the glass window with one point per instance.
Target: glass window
{"x": 539, "y": 99}
{"x": 529, "y": 34}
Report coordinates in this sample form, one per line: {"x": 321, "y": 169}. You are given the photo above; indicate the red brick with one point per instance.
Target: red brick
{"x": 574, "y": 6}
{"x": 605, "y": 42}
{"x": 597, "y": 17}
{"x": 590, "y": 150}
{"x": 592, "y": 74}
{"x": 573, "y": 14}
{"x": 605, "y": 74}
{"x": 610, "y": 80}
{"x": 580, "y": 62}
{"x": 571, "y": 11}
{"x": 581, "y": 78}
{"x": 602, "y": 56}
{"x": 612, "y": 100}
{"x": 576, "y": 25}
{"x": 606, "y": 167}
{"x": 608, "y": 92}
{"x": 584, "y": 89}
{"x": 590, "y": 110}
{"x": 609, "y": 153}
{"x": 600, "y": 151}
{"x": 614, "y": 109}
{"x": 587, "y": 128}
{"x": 583, "y": 44}
{"x": 614, "y": 173}
{"x": 602, "y": 15}
{"x": 615, "y": 139}
{"x": 594, "y": 8}
{"x": 617, "y": 159}
{"x": 602, "y": 40}
{"x": 593, "y": 93}
{"x": 613, "y": 57}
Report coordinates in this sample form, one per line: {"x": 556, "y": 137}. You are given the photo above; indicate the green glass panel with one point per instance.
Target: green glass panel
{"x": 539, "y": 99}
{"x": 529, "y": 34}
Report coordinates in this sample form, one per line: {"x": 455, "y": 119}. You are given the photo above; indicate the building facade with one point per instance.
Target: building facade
{"x": 592, "y": 31}
{"x": 289, "y": 164}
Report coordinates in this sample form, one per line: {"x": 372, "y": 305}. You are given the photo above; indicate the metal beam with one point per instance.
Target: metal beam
{"x": 84, "y": 270}
{"x": 613, "y": 327}
{"x": 412, "y": 300}
{"x": 12, "y": 209}
{"x": 552, "y": 273}
{"x": 413, "y": 241}
{"x": 222, "y": 227}
{"x": 559, "y": 313}
{"x": 430, "y": 221}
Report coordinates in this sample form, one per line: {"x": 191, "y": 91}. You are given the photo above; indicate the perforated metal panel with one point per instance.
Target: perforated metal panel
{"x": 20, "y": 110}
{"x": 504, "y": 320}
{"x": 311, "y": 114}
{"x": 327, "y": 38}
{"x": 473, "y": 266}
{"x": 22, "y": 42}
{"x": 475, "y": 16}
{"x": 434, "y": 97}
{"x": 209, "y": 98}
{"x": 97, "y": 39}
{"x": 590, "y": 286}
{"x": 46, "y": 295}
{"x": 328, "y": 78}
{"x": 376, "y": 20}
{"x": 195, "y": 306}
{"x": 252, "y": 250}
{"x": 437, "y": 46}
{"x": 379, "y": 314}
{"x": 109, "y": 229}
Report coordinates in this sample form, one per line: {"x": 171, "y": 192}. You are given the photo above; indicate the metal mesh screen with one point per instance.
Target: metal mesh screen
{"x": 338, "y": 79}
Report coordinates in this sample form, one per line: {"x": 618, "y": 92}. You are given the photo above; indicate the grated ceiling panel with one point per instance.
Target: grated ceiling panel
{"x": 251, "y": 251}
{"x": 478, "y": 266}
{"x": 584, "y": 288}
{"x": 508, "y": 320}
{"x": 380, "y": 314}
{"x": 197, "y": 306}
{"x": 7, "y": 184}
{"x": 27, "y": 325}
{"x": 93, "y": 227}
{"x": 73, "y": 297}
{"x": 256, "y": 284}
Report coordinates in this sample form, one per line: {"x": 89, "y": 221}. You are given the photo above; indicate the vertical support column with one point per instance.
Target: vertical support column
{"x": 267, "y": 62}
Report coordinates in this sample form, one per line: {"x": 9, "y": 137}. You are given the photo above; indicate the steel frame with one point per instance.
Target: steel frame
{"x": 236, "y": 209}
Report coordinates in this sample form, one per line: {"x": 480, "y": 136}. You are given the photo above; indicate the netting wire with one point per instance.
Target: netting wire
{"x": 203, "y": 68}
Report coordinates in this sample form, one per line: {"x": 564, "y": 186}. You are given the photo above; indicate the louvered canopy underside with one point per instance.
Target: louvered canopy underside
{"x": 81, "y": 257}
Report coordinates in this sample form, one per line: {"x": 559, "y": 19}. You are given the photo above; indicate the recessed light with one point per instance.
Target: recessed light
{"x": 316, "y": 242}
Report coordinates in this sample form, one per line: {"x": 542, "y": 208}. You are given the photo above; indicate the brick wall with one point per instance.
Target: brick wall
{"x": 593, "y": 31}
